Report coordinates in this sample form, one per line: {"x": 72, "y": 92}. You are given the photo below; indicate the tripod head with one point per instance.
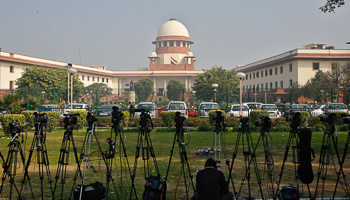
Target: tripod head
{"x": 91, "y": 119}
{"x": 219, "y": 119}
{"x": 15, "y": 128}
{"x": 244, "y": 121}
{"x": 145, "y": 117}
{"x": 70, "y": 120}
{"x": 264, "y": 123}
{"x": 40, "y": 118}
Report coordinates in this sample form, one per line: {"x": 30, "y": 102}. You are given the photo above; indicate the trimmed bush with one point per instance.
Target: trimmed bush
{"x": 342, "y": 127}
{"x": 29, "y": 116}
{"x": 338, "y": 119}
{"x": 204, "y": 126}
{"x": 195, "y": 121}
{"x": 256, "y": 114}
{"x": 313, "y": 121}
{"x": 319, "y": 127}
{"x": 281, "y": 128}
{"x": 10, "y": 118}
{"x": 231, "y": 121}
{"x": 168, "y": 118}
{"x": 134, "y": 121}
{"x": 157, "y": 122}
{"x": 279, "y": 121}
{"x": 54, "y": 118}
{"x": 104, "y": 122}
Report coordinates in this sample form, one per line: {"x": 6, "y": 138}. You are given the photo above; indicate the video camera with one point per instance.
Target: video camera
{"x": 116, "y": 114}
{"x": 295, "y": 119}
{"x": 218, "y": 117}
{"x": 179, "y": 118}
{"x": 90, "y": 118}
{"x": 40, "y": 118}
{"x": 244, "y": 121}
{"x": 70, "y": 120}
{"x": 14, "y": 128}
{"x": 264, "y": 123}
{"x": 328, "y": 118}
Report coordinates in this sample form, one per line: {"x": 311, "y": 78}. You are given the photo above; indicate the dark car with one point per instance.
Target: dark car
{"x": 106, "y": 110}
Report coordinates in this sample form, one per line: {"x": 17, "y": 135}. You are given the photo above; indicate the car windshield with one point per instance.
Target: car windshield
{"x": 176, "y": 106}
{"x": 237, "y": 108}
{"x": 145, "y": 106}
{"x": 75, "y": 106}
{"x": 268, "y": 107}
{"x": 253, "y": 106}
{"x": 337, "y": 106}
{"x": 51, "y": 107}
{"x": 209, "y": 107}
{"x": 299, "y": 106}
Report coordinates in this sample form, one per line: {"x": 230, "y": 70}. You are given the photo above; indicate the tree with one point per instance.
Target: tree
{"x": 12, "y": 102}
{"x": 331, "y": 5}
{"x": 175, "y": 90}
{"x": 143, "y": 88}
{"x": 339, "y": 78}
{"x": 226, "y": 79}
{"x": 53, "y": 82}
{"x": 97, "y": 90}
{"x": 312, "y": 88}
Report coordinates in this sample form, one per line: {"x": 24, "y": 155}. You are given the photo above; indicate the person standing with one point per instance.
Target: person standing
{"x": 211, "y": 184}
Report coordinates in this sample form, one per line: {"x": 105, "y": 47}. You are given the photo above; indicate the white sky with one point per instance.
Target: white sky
{"x": 118, "y": 34}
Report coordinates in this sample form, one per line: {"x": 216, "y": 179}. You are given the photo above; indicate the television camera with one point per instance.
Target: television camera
{"x": 264, "y": 123}
{"x": 219, "y": 119}
{"x": 295, "y": 119}
{"x": 91, "y": 119}
{"x": 117, "y": 115}
{"x": 40, "y": 118}
{"x": 70, "y": 120}
{"x": 14, "y": 128}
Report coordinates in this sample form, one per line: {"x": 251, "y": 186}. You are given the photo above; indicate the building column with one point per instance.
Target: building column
{"x": 190, "y": 84}
{"x": 186, "y": 83}
{"x": 119, "y": 86}
{"x": 165, "y": 89}
{"x": 154, "y": 85}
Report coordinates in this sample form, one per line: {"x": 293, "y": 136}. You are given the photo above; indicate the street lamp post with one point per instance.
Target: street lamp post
{"x": 71, "y": 72}
{"x": 255, "y": 95}
{"x": 321, "y": 96}
{"x": 194, "y": 98}
{"x": 240, "y": 75}
{"x": 215, "y": 86}
{"x": 290, "y": 94}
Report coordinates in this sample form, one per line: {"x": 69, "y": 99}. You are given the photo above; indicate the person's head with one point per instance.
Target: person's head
{"x": 210, "y": 163}
{"x": 129, "y": 102}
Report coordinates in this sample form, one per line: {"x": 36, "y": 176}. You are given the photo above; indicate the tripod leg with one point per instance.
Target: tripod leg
{"x": 234, "y": 155}
{"x": 171, "y": 155}
{"x": 137, "y": 155}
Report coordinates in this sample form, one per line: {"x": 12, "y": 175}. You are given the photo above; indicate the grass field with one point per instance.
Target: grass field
{"x": 162, "y": 143}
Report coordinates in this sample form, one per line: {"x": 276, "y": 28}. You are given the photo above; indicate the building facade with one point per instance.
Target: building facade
{"x": 172, "y": 59}
{"x": 271, "y": 79}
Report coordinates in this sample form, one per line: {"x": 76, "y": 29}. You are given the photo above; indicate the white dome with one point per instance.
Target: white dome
{"x": 153, "y": 55}
{"x": 189, "y": 54}
{"x": 173, "y": 28}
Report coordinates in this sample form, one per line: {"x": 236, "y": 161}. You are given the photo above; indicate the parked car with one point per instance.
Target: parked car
{"x": 76, "y": 106}
{"x": 50, "y": 107}
{"x": 160, "y": 110}
{"x": 299, "y": 107}
{"x": 205, "y": 107}
{"x": 106, "y": 110}
{"x": 234, "y": 111}
{"x": 150, "y": 106}
{"x": 336, "y": 107}
{"x": 253, "y": 106}
{"x": 192, "y": 112}
{"x": 317, "y": 111}
{"x": 179, "y": 106}
{"x": 272, "y": 109}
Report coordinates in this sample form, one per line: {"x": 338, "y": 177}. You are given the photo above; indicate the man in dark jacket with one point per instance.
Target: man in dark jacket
{"x": 211, "y": 184}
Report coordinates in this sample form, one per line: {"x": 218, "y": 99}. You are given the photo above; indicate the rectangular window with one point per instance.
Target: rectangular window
{"x": 250, "y": 76}
{"x": 165, "y": 44}
{"x": 178, "y": 43}
{"x": 290, "y": 67}
{"x": 103, "y": 80}
{"x": 98, "y": 79}
{"x": 171, "y": 43}
{"x": 106, "y": 80}
{"x": 88, "y": 78}
{"x": 315, "y": 66}
{"x": 266, "y": 86}
{"x": 265, "y": 72}
{"x": 262, "y": 87}
{"x": 11, "y": 85}
{"x": 253, "y": 75}
{"x": 270, "y": 72}
{"x": 93, "y": 78}
{"x": 281, "y": 69}
{"x": 262, "y": 74}
{"x": 11, "y": 69}
{"x": 281, "y": 84}
{"x": 276, "y": 85}
{"x": 257, "y": 74}
{"x": 246, "y": 77}
{"x": 276, "y": 71}
{"x": 271, "y": 85}
{"x": 290, "y": 83}
{"x": 82, "y": 77}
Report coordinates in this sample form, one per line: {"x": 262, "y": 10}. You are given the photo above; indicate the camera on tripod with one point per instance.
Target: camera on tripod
{"x": 116, "y": 115}
{"x": 328, "y": 118}
{"x": 70, "y": 119}
{"x": 90, "y": 118}
{"x": 40, "y": 118}
{"x": 264, "y": 123}
{"x": 179, "y": 118}
{"x": 14, "y": 128}
{"x": 244, "y": 121}
{"x": 219, "y": 118}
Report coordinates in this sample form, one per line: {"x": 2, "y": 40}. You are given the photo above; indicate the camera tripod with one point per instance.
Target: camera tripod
{"x": 185, "y": 166}
{"x": 249, "y": 157}
{"x": 64, "y": 155}
{"x": 39, "y": 146}
{"x": 10, "y": 164}
{"x": 144, "y": 143}
{"x": 327, "y": 158}
{"x": 217, "y": 145}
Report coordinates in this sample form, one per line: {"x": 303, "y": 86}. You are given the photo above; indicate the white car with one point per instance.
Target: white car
{"x": 150, "y": 106}
{"x": 76, "y": 106}
{"x": 272, "y": 109}
{"x": 234, "y": 111}
{"x": 253, "y": 106}
{"x": 317, "y": 111}
{"x": 178, "y": 106}
{"x": 205, "y": 107}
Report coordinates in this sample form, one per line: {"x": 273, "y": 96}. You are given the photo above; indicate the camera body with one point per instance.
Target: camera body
{"x": 70, "y": 120}
{"x": 14, "y": 128}
{"x": 219, "y": 118}
{"x": 144, "y": 117}
{"x": 40, "y": 118}
{"x": 116, "y": 115}
{"x": 328, "y": 118}
{"x": 264, "y": 123}
{"x": 91, "y": 119}
{"x": 179, "y": 118}
{"x": 244, "y": 121}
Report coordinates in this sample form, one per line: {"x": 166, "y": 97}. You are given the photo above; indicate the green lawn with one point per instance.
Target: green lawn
{"x": 162, "y": 143}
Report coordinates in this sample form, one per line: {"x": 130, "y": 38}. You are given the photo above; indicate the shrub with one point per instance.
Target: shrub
{"x": 195, "y": 121}
{"x": 231, "y": 121}
{"x": 204, "y": 126}
{"x": 54, "y": 118}
{"x": 133, "y": 121}
{"x": 313, "y": 121}
{"x": 168, "y": 118}
{"x": 342, "y": 127}
{"x": 338, "y": 119}
{"x": 167, "y": 129}
{"x": 281, "y": 128}
{"x": 29, "y": 117}
{"x": 256, "y": 114}
{"x": 104, "y": 122}
{"x": 320, "y": 127}
{"x": 10, "y": 118}
{"x": 157, "y": 122}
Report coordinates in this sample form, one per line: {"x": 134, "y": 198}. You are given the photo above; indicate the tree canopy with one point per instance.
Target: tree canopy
{"x": 331, "y": 5}
{"x": 48, "y": 82}
{"x": 175, "y": 90}
{"x": 226, "y": 79}
{"x": 143, "y": 88}
{"x": 97, "y": 90}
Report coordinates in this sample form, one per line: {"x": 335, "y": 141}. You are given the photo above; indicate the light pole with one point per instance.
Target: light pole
{"x": 71, "y": 72}
{"x": 240, "y": 75}
{"x": 214, "y": 86}
{"x": 255, "y": 95}
{"x": 321, "y": 96}
{"x": 194, "y": 98}
{"x": 290, "y": 94}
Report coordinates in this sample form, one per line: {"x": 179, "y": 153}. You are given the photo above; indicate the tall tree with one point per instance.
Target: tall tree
{"x": 38, "y": 81}
{"x": 226, "y": 79}
{"x": 175, "y": 90}
{"x": 143, "y": 88}
{"x": 312, "y": 88}
{"x": 331, "y": 5}
{"x": 97, "y": 90}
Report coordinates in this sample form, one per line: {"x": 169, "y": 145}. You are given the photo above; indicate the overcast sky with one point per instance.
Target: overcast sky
{"x": 118, "y": 34}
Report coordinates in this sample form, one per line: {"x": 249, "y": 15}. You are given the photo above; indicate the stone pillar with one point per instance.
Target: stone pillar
{"x": 186, "y": 83}
{"x": 120, "y": 87}
{"x": 132, "y": 96}
{"x": 165, "y": 90}
{"x": 154, "y": 85}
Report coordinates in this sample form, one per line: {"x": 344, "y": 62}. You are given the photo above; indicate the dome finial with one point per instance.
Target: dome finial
{"x": 172, "y": 19}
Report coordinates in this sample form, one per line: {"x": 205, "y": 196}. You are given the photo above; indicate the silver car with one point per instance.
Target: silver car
{"x": 336, "y": 107}
{"x": 317, "y": 111}
{"x": 234, "y": 111}
{"x": 272, "y": 109}
{"x": 205, "y": 107}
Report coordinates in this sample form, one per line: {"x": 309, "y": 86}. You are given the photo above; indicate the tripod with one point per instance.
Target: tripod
{"x": 144, "y": 142}
{"x": 326, "y": 158}
{"x": 69, "y": 120}
{"x": 39, "y": 145}
{"x": 10, "y": 164}
{"x": 249, "y": 157}
{"x": 185, "y": 166}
